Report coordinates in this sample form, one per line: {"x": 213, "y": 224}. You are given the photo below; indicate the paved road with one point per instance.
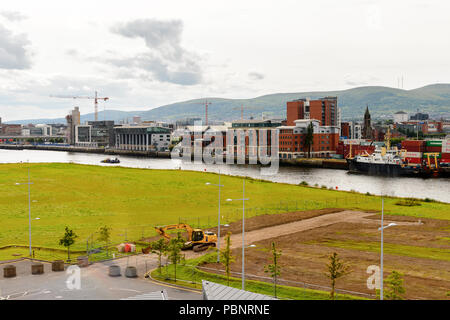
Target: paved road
{"x": 96, "y": 284}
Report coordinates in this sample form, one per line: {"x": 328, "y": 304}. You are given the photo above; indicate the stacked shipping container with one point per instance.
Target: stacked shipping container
{"x": 356, "y": 149}
{"x": 445, "y": 155}
{"x": 417, "y": 150}
{"x": 414, "y": 150}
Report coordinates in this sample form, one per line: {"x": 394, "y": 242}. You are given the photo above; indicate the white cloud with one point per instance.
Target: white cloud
{"x": 13, "y": 50}
{"x": 256, "y": 75}
{"x": 13, "y": 15}
{"x": 166, "y": 60}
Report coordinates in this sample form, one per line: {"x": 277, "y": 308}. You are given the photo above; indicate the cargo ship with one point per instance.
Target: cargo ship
{"x": 382, "y": 161}
{"x": 416, "y": 158}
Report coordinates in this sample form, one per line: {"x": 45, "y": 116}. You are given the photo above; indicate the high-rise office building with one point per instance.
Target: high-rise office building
{"x": 325, "y": 110}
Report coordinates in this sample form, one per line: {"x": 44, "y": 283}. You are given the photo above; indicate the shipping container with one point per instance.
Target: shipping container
{"x": 433, "y": 149}
{"x": 425, "y": 156}
{"x": 446, "y": 146}
{"x": 434, "y": 143}
{"x": 414, "y": 149}
{"x": 413, "y": 155}
{"x": 445, "y": 155}
{"x": 413, "y": 143}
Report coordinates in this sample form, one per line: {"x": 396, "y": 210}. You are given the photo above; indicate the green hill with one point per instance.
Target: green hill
{"x": 383, "y": 103}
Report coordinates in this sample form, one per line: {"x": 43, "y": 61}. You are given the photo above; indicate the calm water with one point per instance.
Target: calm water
{"x": 432, "y": 188}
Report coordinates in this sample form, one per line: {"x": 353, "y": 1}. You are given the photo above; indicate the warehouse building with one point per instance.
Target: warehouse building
{"x": 142, "y": 138}
{"x": 252, "y": 138}
{"x": 95, "y": 134}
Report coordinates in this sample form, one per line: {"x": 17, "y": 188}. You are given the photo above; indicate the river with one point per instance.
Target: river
{"x": 432, "y": 188}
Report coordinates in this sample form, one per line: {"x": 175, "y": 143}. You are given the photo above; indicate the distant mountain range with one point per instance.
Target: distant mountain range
{"x": 383, "y": 102}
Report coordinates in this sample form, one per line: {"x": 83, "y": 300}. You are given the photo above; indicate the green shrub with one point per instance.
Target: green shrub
{"x": 408, "y": 202}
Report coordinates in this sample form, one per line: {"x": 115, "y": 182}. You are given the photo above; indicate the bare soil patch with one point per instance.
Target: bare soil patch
{"x": 305, "y": 253}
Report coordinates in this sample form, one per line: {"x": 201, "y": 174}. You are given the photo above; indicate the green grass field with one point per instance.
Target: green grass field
{"x": 132, "y": 201}
{"x": 391, "y": 248}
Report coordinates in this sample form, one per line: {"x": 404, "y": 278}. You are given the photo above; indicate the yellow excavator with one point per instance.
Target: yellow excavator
{"x": 198, "y": 240}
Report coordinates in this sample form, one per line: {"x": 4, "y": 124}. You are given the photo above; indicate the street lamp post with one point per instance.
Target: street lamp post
{"x": 218, "y": 220}
{"x": 243, "y": 231}
{"x": 29, "y": 183}
{"x": 381, "y": 257}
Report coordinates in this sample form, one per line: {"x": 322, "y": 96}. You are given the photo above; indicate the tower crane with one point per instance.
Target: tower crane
{"x": 206, "y": 104}
{"x": 242, "y": 111}
{"x": 95, "y": 98}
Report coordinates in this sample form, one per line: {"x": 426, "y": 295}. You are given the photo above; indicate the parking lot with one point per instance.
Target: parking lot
{"x": 95, "y": 282}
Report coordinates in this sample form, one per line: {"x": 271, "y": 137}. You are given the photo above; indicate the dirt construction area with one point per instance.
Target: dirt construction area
{"x": 419, "y": 249}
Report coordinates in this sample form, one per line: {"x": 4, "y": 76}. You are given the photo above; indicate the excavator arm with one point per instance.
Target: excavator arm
{"x": 180, "y": 226}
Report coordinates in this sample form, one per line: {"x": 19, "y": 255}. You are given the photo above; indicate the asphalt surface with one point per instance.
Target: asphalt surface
{"x": 95, "y": 282}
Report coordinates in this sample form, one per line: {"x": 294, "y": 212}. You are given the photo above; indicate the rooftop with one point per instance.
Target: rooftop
{"x": 215, "y": 291}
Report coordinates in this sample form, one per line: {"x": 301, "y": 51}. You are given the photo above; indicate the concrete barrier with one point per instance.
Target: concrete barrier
{"x": 130, "y": 272}
{"x": 9, "y": 271}
{"x": 37, "y": 268}
{"x": 114, "y": 271}
{"x": 83, "y": 261}
{"x": 58, "y": 265}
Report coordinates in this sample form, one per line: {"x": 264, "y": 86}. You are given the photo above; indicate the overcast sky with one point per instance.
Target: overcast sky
{"x": 143, "y": 54}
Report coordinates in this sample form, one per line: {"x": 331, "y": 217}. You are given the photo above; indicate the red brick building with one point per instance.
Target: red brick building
{"x": 11, "y": 130}
{"x": 292, "y": 140}
{"x": 325, "y": 110}
{"x": 345, "y": 130}
{"x": 296, "y": 110}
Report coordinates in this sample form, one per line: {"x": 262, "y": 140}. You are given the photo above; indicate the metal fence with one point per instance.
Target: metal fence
{"x": 229, "y": 215}
{"x": 193, "y": 272}
{"x": 142, "y": 232}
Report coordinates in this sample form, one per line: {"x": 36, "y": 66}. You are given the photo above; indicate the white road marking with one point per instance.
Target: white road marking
{"x": 124, "y": 289}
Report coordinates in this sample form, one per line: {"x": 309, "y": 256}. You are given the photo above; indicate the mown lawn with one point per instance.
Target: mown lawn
{"x": 391, "y": 248}
{"x": 132, "y": 201}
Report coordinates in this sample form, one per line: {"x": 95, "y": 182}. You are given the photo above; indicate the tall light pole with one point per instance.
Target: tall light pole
{"x": 243, "y": 231}
{"x": 218, "y": 220}
{"x": 381, "y": 258}
{"x": 29, "y": 183}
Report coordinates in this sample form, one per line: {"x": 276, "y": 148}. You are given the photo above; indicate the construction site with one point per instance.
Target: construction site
{"x": 417, "y": 248}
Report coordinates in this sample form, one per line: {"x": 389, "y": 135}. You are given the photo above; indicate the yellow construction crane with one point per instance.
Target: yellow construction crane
{"x": 95, "y": 98}
{"x": 435, "y": 155}
{"x": 198, "y": 240}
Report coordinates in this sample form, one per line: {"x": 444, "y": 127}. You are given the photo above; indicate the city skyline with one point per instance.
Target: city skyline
{"x": 147, "y": 55}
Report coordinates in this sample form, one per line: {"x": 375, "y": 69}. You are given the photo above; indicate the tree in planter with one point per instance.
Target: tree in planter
{"x": 174, "y": 252}
{"x": 394, "y": 286}
{"x": 159, "y": 247}
{"x": 226, "y": 257}
{"x": 68, "y": 240}
{"x": 335, "y": 270}
{"x": 105, "y": 235}
{"x": 309, "y": 138}
{"x": 274, "y": 269}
